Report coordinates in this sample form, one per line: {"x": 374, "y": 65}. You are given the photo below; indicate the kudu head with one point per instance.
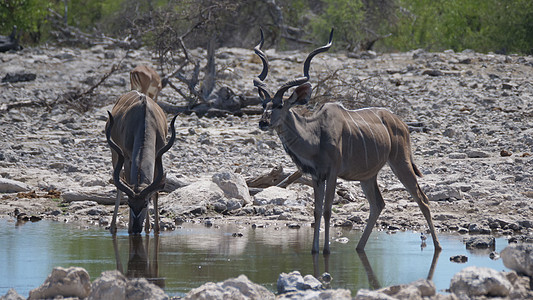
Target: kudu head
{"x": 275, "y": 107}
{"x": 138, "y": 198}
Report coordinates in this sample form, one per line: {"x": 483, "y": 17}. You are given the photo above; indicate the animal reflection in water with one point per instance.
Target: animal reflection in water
{"x": 373, "y": 281}
{"x": 140, "y": 263}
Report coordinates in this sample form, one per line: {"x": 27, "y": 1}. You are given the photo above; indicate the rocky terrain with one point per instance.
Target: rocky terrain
{"x": 472, "y": 138}
{"x": 473, "y": 144}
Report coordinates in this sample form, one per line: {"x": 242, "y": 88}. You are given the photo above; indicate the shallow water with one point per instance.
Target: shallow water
{"x": 194, "y": 254}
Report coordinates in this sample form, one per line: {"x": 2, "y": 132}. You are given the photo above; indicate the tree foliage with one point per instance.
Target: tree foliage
{"x": 482, "y": 25}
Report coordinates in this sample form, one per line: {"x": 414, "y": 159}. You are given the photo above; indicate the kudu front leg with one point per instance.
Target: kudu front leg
{"x": 318, "y": 186}
{"x": 373, "y": 195}
{"x": 156, "y": 213}
{"x": 113, "y": 227}
{"x": 331, "y": 184}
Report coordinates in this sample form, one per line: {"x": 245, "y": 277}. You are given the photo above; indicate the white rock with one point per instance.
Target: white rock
{"x": 110, "y": 285}
{"x": 477, "y": 281}
{"x": 12, "y": 186}
{"x": 233, "y": 185}
{"x": 200, "y": 193}
{"x": 519, "y": 257}
{"x": 71, "y": 282}
{"x": 364, "y": 294}
{"x": 444, "y": 192}
{"x": 275, "y": 195}
{"x": 233, "y": 288}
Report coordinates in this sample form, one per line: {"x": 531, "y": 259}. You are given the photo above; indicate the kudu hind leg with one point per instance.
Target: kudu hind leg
{"x": 406, "y": 174}
{"x": 373, "y": 195}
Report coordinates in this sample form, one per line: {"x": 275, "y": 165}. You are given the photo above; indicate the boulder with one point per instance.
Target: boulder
{"x": 477, "y": 281}
{"x": 233, "y": 288}
{"x": 519, "y": 257}
{"x": 12, "y": 295}
{"x": 12, "y": 186}
{"x": 443, "y": 192}
{"x": 113, "y": 285}
{"x": 480, "y": 242}
{"x": 70, "y": 282}
{"x": 337, "y": 294}
{"x": 110, "y": 285}
{"x": 141, "y": 289}
{"x": 233, "y": 185}
{"x": 199, "y": 194}
{"x": 415, "y": 290}
{"x": 277, "y": 196}
{"x": 295, "y": 282}
{"x": 364, "y": 294}
{"x": 223, "y": 192}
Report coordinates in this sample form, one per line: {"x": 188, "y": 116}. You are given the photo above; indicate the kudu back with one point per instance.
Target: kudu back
{"x": 336, "y": 142}
{"x": 136, "y": 132}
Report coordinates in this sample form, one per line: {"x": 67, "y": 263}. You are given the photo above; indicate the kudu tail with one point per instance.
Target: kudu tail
{"x": 417, "y": 171}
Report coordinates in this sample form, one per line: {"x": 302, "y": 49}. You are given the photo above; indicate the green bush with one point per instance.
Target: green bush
{"x": 482, "y": 25}
{"x": 27, "y": 15}
{"x": 346, "y": 17}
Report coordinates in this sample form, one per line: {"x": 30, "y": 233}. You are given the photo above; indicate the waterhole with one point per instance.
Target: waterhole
{"x": 194, "y": 254}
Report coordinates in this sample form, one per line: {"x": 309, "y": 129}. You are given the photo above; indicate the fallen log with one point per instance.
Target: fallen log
{"x": 105, "y": 198}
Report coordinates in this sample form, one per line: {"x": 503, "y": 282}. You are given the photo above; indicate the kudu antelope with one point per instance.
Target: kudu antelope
{"x": 146, "y": 80}
{"x": 136, "y": 132}
{"x": 336, "y": 142}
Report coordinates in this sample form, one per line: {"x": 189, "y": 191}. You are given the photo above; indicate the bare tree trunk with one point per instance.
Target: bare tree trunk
{"x": 65, "y": 15}
{"x": 208, "y": 83}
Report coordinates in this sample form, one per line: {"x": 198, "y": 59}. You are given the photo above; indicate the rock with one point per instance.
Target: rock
{"x": 233, "y": 185}
{"x": 197, "y": 195}
{"x": 295, "y": 282}
{"x": 70, "y": 282}
{"x": 415, "y": 290}
{"x": 480, "y": 242}
{"x": 141, "y": 289}
{"x": 457, "y": 155}
{"x": 110, "y": 285}
{"x": 12, "y": 186}
{"x": 476, "y": 281}
{"x": 433, "y": 72}
{"x": 364, "y": 294}
{"x": 519, "y": 257}
{"x": 113, "y": 285}
{"x": 233, "y": 288}
{"x": 12, "y": 295}
{"x": 443, "y": 192}
{"x": 276, "y": 196}
{"x": 173, "y": 183}
{"x": 477, "y": 154}
{"x": 459, "y": 258}
{"x": 19, "y": 77}
{"x": 337, "y": 294}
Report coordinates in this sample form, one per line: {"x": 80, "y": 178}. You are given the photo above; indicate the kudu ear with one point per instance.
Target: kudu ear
{"x": 301, "y": 94}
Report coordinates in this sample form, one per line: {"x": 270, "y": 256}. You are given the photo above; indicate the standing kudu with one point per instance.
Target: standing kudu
{"x": 146, "y": 80}
{"x": 136, "y": 132}
{"x": 336, "y": 142}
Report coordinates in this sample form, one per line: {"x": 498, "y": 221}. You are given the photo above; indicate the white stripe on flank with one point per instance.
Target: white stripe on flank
{"x": 384, "y": 133}
{"x": 371, "y": 132}
{"x": 362, "y": 138}
{"x": 396, "y": 128}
